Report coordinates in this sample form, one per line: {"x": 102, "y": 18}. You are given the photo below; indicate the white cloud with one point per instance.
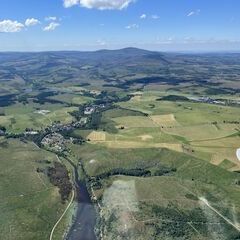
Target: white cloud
{"x": 10, "y": 26}
{"x": 51, "y": 26}
{"x": 50, "y": 18}
{"x": 192, "y": 13}
{"x": 132, "y": 26}
{"x": 70, "y": 3}
{"x": 155, "y": 16}
{"x": 31, "y": 22}
{"x": 99, "y": 4}
{"x": 101, "y": 42}
{"x": 143, "y": 16}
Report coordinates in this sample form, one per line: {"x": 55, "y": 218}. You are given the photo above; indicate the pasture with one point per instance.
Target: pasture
{"x": 29, "y": 204}
{"x": 18, "y": 117}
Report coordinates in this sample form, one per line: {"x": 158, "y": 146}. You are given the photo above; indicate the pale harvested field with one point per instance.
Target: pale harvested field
{"x": 228, "y": 142}
{"x": 202, "y": 132}
{"x": 229, "y": 154}
{"x": 164, "y": 120}
{"x": 132, "y": 144}
{"x": 145, "y": 137}
{"x": 136, "y": 98}
{"x": 96, "y": 136}
{"x": 134, "y": 122}
{"x": 219, "y": 154}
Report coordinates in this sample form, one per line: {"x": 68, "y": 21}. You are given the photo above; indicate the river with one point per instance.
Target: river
{"x": 85, "y": 218}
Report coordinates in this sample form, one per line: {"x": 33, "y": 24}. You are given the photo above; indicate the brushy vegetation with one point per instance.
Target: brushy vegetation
{"x": 59, "y": 177}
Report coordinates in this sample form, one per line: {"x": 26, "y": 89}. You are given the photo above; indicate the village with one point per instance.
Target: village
{"x": 56, "y": 135}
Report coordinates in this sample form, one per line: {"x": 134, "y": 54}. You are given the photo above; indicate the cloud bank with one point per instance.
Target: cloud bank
{"x": 99, "y": 4}
{"x": 9, "y": 26}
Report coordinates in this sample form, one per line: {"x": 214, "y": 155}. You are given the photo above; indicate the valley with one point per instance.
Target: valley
{"x": 124, "y": 144}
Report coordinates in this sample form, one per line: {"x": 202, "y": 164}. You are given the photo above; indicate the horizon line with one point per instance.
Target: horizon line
{"x": 125, "y": 48}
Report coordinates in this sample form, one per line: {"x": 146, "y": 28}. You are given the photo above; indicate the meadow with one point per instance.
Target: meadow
{"x": 154, "y": 159}
{"x": 29, "y": 204}
{"x": 193, "y": 148}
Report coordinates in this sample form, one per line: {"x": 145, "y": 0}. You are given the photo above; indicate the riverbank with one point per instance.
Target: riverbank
{"x": 84, "y": 222}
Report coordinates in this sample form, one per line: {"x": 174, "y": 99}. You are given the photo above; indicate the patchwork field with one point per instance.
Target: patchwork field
{"x": 157, "y": 152}
{"x": 18, "y": 117}
{"x": 131, "y": 207}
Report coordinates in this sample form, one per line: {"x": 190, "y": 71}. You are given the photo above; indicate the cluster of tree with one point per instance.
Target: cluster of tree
{"x": 135, "y": 172}
{"x": 14, "y": 135}
{"x": 231, "y": 122}
{"x": 58, "y": 175}
{"x": 164, "y": 171}
{"x": 179, "y": 230}
{"x": 2, "y": 128}
{"x": 127, "y": 172}
{"x": 7, "y": 100}
{"x": 78, "y": 114}
{"x": 43, "y": 97}
{"x": 77, "y": 139}
{"x": 94, "y": 120}
{"x": 45, "y": 161}
{"x": 173, "y": 98}
{"x": 110, "y": 97}
{"x": 216, "y": 91}
{"x": 23, "y": 99}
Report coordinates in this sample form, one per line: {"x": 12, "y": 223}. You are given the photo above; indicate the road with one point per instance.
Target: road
{"x": 203, "y": 200}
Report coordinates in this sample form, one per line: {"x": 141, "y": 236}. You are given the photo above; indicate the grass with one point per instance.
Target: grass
{"x": 72, "y": 98}
{"x": 202, "y": 132}
{"x": 18, "y": 117}
{"x": 29, "y": 204}
{"x": 164, "y": 120}
{"x": 226, "y": 164}
{"x": 194, "y": 178}
{"x": 134, "y": 121}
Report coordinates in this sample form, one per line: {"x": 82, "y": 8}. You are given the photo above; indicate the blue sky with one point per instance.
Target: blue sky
{"x": 164, "y": 25}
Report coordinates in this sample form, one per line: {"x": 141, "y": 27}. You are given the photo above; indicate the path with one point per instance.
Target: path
{"x": 59, "y": 220}
{"x": 203, "y": 200}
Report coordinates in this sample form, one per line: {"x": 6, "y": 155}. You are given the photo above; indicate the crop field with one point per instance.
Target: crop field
{"x": 134, "y": 122}
{"x": 18, "y": 117}
{"x": 29, "y": 204}
{"x": 164, "y": 120}
{"x": 203, "y": 131}
{"x": 72, "y": 98}
{"x": 157, "y": 152}
{"x": 96, "y": 136}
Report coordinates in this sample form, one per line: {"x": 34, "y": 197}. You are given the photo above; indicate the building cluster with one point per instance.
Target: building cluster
{"x": 54, "y": 141}
{"x": 93, "y": 108}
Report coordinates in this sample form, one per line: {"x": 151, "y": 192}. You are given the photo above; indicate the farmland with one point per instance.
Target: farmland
{"x": 153, "y": 145}
{"x": 30, "y": 205}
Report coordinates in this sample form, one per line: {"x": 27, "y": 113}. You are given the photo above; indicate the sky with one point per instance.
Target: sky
{"x": 162, "y": 25}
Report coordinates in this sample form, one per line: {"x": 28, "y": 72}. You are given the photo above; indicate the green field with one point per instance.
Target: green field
{"x": 29, "y": 204}
{"x": 158, "y": 151}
